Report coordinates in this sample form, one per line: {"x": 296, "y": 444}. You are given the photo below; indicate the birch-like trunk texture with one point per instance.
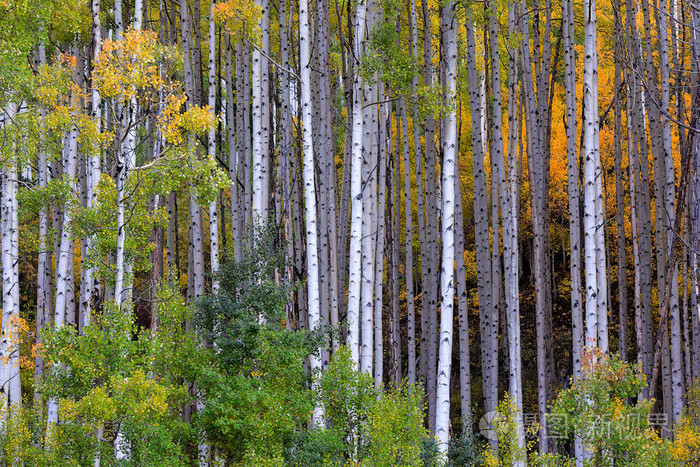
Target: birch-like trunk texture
{"x": 449, "y": 169}
{"x": 489, "y": 355}
{"x": 93, "y": 173}
{"x": 574, "y": 195}
{"x": 384, "y": 153}
{"x": 430, "y": 266}
{"x": 234, "y": 147}
{"x": 44, "y": 292}
{"x": 619, "y": 193}
{"x": 369, "y": 160}
{"x": 64, "y": 276}
{"x": 408, "y": 208}
{"x": 591, "y": 150}
{"x": 9, "y": 343}
{"x": 355, "y": 256}
{"x": 213, "y": 214}
{"x": 537, "y": 123}
{"x": 393, "y": 261}
{"x": 413, "y": 43}
{"x": 463, "y": 309}
{"x": 257, "y": 116}
{"x": 309, "y": 189}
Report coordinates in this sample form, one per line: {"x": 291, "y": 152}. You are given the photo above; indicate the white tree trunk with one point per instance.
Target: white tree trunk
{"x": 9, "y": 344}
{"x": 574, "y": 203}
{"x": 489, "y": 357}
{"x": 408, "y": 207}
{"x": 355, "y": 260}
{"x": 309, "y": 189}
{"x": 449, "y": 169}
{"x": 213, "y": 216}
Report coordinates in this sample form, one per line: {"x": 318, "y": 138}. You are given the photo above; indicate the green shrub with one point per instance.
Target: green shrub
{"x": 596, "y": 409}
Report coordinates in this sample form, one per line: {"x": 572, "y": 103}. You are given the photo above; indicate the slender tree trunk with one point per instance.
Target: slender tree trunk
{"x": 449, "y": 170}
{"x": 309, "y": 188}
{"x": 574, "y": 196}
{"x": 213, "y": 215}
{"x": 408, "y": 207}
{"x": 355, "y": 262}
{"x": 619, "y": 192}
{"x": 489, "y": 355}
{"x": 9, "y": 343}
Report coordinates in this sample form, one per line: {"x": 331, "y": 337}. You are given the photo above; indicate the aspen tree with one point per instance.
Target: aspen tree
{"x": 489, "y": 354}
{"x": 355, "y": 257}
{"x": 9, "y": 344}
{"x": 213, "y": 215}
{"x": 408, "y": 208}
{"x": 449, "y": 170}
{"x": 309, "y": 187}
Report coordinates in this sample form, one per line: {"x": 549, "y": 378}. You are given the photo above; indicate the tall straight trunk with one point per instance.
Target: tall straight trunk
{"x": 258, "y": 115}
{"x": 355, "y": 257}
{"x": 64, "y": 279}
{"x": 247, "y": 144}
{"x": 196, "y": 265}
{"x": 309, "y": 187}
{"x": 574, "y": 196}
{"x": 511, "y": 247}
{"x": 393, "y": 240}
{"x": 9, "y": 344}
{"x": 92, "y": 286}
{"x": 329, "y": 168}
{"x": 677, "y": 376}
{"x": 463, "y": 309}
{"x": 639, "y": 201}
{"x": 285, "y": 144}
{"x": 420, "y": 218}
{"x": 234, "y": 147}
{"x": 385, "y": 153}
{"x": 591, "y": 149}
{"x": 538, "y": 165}
{"x": 694, "y": 196}
{"x": 653, "y": 115}
{"x": 449, "y": 170}
{"x": 213, "y": 214}
{"x": 44, "y": 293}
{"x": 368, "y": 234}
{"x": 489, "y": 355}
{"x": 620, "y": 194}
{"x": 430, "y": 287}
{"x": 265, "y": 109}
{"x": 408, "y": 271}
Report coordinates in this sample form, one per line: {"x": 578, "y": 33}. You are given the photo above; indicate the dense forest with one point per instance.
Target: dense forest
{"x": 363, "y": 233}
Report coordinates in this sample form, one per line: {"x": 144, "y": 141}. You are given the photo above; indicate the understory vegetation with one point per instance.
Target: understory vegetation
{"x": 246, "y": 396}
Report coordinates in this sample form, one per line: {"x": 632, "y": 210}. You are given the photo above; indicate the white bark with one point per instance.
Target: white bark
{"x": 213, "y": 216}
{"x": 355, "y": 271}
{"x": 309, "y": 189}
{"x": 92, "y": 286}
{"x": 591, "y": 148}
{"x": 9, "y": 345}
{"x": 408, "y": 207}
{"x": 489, "y": 356}
{"x": 257, "y": 122}
{"x": 449, "y": 166}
